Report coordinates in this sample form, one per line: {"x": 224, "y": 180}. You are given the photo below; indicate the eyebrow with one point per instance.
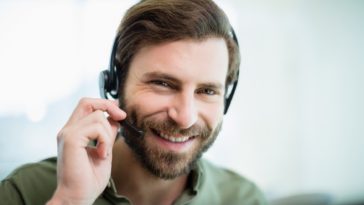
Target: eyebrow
{"x": 217, "y": 86}
{"x": 161, "y": 75}
{"x": 165, "y": 76}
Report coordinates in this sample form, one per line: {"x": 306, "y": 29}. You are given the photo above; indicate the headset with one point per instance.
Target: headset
{"x": 109, "y": 84}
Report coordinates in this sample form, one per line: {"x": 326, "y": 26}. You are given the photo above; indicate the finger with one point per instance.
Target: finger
{"x": 98, "y": 132}
{"x": 89, "y": 105}
{"x": 94, "y": 154}
{"x": 79, "y": 135}
{"x": 93, "y": 127}
{"x": 97, "y": 117}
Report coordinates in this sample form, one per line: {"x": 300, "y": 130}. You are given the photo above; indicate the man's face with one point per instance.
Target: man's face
{"x": 175, "y": 93}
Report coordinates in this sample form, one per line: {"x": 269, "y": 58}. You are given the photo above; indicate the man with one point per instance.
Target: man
{"x": 174, "y": 60}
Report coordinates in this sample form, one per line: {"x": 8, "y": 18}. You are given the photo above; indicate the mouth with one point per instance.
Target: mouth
{"x": 175, "y": 138}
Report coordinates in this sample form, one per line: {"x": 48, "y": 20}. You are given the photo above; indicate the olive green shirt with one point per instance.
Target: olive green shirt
{"x": 207, "y": 185}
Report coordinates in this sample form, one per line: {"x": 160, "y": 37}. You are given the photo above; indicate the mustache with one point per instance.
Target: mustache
{"x": 172, "y": 128}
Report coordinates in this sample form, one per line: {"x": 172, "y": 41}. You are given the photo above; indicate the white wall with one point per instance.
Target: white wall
{"x": 296, "y": 122}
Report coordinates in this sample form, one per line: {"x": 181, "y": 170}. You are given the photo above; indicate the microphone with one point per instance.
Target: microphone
{"x": 135, "y": 131}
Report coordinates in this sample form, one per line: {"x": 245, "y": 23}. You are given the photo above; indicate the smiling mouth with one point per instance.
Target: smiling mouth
{"x": 175, "y": 139}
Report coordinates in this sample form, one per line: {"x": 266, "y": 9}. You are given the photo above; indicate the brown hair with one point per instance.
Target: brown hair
{"x": 152, "y": 22}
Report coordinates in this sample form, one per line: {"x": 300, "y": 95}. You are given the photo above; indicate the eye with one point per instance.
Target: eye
{"x": 161, "y": 83}
{"x": 207, "y": 91}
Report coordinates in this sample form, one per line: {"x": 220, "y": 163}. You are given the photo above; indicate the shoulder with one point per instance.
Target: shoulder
{"x": 31, "y": 183}
{"x": 46, "y": 164}
{"x": 228, "y": 186}
{"x": 220, "y": 174}
{"x": 34, "y": 172}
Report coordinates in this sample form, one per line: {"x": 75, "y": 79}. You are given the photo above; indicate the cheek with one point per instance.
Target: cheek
{"x": 148, "y": 104}
{"x": 212, "y": 114}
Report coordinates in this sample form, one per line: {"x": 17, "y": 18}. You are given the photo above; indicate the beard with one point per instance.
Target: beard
{"x": 168, "y": 164}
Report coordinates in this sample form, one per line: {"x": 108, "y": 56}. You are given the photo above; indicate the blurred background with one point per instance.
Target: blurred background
{"x": 296, "y": 125}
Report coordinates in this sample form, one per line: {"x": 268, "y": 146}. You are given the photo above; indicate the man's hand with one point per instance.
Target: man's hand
{"x": 82, "y": 171}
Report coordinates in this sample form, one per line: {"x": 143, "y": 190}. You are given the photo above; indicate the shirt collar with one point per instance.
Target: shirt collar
{"x": 194, "y": 184}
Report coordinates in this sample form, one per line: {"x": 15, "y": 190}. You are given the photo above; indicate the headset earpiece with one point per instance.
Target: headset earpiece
{"x": 108, "y": 80}
{"x": 107, "y": 85}
{"x": 104, "y": 83}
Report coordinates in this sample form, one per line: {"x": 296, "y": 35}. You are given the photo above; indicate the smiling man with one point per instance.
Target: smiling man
{"x": 185, "y": 102}
{"x": 171, "y": 66}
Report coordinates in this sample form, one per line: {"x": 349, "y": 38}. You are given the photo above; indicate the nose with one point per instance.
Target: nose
{"x": 183, "y": 110}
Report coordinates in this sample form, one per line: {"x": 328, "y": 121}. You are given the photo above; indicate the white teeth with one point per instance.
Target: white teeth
{"x": 174, "y": 139}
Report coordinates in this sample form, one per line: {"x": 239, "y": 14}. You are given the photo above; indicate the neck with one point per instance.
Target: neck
{"x": 138, "y": 184}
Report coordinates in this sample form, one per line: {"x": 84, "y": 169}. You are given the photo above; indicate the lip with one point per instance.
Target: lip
{"x": 172, "y": 146}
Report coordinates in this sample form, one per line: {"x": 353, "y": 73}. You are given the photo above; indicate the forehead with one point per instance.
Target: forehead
{"x": 204, "y": 61}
